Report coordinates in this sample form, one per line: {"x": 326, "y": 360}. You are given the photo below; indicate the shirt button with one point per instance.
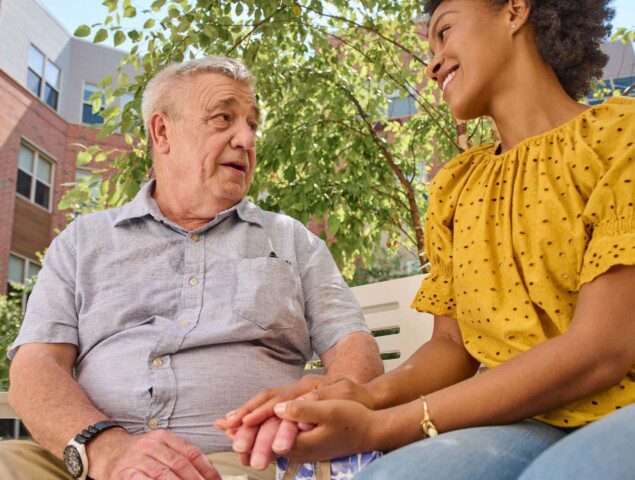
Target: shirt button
{"x": 195, "y": 237}
{"x": 193, "y": 281}
{"x": 153, "y": 423}
{"x": 185, "y": 324}
{"x": 157, "y": 362}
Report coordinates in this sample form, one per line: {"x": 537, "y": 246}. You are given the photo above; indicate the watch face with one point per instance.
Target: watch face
{"x": 73, "y": 461}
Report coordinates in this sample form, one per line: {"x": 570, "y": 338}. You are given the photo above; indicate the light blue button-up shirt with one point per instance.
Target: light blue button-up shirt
{"x": 175, "y": 328}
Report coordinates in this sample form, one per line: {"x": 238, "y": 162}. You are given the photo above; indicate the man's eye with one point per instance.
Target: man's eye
{"x": 223, "y": 117}
{"x": 253, "y": 126}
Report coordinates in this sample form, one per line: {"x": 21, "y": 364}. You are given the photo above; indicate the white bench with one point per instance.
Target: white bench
{"x": 399, "y": 329}
{"x": 386, "y": 306}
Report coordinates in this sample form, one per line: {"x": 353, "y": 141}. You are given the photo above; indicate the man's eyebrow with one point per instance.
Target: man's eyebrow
{"x": 434, "y": 27}
{"x": 231, "y": 102}
{"x": 224, "y": 103}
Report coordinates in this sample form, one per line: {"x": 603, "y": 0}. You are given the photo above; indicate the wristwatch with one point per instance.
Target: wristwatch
{"x": 75, "y": 456}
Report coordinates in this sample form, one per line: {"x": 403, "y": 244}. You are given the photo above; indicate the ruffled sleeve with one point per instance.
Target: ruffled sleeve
{"x": 436, "y": 294}
{"x": 610, "y": 212}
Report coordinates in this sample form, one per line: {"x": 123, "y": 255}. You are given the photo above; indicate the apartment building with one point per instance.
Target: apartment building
{"x": 46, "y": 77}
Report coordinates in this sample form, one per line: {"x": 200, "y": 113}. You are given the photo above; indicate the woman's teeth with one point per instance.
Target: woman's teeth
{"x": 448, "y": 79}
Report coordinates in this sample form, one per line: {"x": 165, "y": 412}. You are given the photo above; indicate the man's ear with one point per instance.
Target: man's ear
{"x": 159, "y": 131}
{"x": 517, "y": 14}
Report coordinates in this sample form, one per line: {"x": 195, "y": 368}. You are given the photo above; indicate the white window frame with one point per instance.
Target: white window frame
{"x": 34, "y": 179}
{"x": 27, "y": 261}
{"x": 43, "y": 81}
{"x": 84, "y": 102}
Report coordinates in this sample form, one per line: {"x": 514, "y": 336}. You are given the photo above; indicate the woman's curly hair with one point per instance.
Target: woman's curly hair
{"x": 569, "y": 34}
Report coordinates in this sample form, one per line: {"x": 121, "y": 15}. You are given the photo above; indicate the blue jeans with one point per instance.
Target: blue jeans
{"x": 528, "y": 450}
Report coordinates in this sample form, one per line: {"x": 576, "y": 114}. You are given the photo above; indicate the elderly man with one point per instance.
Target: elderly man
{"x": 151, "y": 320}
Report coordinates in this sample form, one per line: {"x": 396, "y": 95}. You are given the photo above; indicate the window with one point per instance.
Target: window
{"x": 82, "y": 173}
{"x": 52, "y": 85}
{"x": 401, "y": 107}
{"x": 35, "y": 71}
{"x": 20, "y": 270}
{"x": 35, "y": 175}
{"x": 43, "y": 77}
{"x": 87, "y": 108}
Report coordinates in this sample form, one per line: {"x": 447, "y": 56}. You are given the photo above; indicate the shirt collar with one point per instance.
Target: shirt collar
{"x": 143, "y": 204}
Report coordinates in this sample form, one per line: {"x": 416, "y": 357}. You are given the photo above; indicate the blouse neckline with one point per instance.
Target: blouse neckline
{"x": 495, "y": 146}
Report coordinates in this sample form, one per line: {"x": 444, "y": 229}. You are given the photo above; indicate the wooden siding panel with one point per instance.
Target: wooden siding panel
{"x": 31, "y": 228}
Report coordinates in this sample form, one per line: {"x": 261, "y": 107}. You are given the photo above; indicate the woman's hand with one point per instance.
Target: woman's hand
{"x": 311, "y": 387}
{"x": 343, "y": 427}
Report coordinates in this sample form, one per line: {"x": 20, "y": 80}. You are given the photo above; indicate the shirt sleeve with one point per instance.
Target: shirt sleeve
{"x": 436, "y": 294}
{"x": 610, "y": 216}
{"x": 331, "y": 309}
{"x": 51, "y": 314}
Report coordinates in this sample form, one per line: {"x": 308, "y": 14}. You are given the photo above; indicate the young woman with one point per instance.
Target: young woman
{"x": 532, "y": 247}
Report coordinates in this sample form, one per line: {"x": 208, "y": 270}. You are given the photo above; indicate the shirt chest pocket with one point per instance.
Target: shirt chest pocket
{"x": 267, "y": 293}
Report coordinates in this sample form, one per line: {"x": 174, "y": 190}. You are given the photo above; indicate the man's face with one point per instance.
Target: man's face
{"x": 212, "y": 150}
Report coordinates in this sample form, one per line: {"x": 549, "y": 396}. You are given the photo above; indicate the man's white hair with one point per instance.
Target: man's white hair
{"x": 161, "y": 91}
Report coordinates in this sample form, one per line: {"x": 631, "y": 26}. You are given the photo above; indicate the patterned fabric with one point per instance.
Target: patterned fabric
{"x": 512, "y": 238}
{"x": 340, "y": 469}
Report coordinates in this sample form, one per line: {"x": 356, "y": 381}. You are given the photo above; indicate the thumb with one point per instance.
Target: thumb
{"x": 302, "y": 411}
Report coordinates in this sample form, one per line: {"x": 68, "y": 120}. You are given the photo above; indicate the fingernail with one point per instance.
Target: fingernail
{"x": 280, "y": 408}
{"x": 258, "y": 461}
{"x": 230, "y": 415}
{"x": 240, "y": 446}
{"x": 279, "y": 445}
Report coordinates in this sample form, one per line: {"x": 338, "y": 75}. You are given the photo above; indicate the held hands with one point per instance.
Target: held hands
{"x": 259, "y": 435}
{"x": 343, "y": 427}
{"x": 157, "y": 454}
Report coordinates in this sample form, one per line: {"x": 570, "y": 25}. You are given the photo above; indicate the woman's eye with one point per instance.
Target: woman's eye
{"x": 442, "y": 32}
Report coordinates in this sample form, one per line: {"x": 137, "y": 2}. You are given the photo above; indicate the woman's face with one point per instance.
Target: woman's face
{"x": 471, "y": 41}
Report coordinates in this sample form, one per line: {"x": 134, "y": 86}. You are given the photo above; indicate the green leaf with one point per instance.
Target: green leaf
{"x": 120, "y": 37}
{"x": 149, "y": 24}
{"x": 129, "y": 12}
{"x": 101, "y": 35}
{"x": 82, "y": 31}
{"x": 84, "y": 158}
{"x": 333, "y": 224}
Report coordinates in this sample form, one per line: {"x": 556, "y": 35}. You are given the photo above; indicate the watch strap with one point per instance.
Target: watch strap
{"x": 92, "y": 431}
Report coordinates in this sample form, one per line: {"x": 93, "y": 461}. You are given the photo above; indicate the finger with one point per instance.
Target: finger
{"x": 244, "y": 458}
{"x": 285, "y": 436}
{"x": 304, "y": 411}
{"x": 178, "y": 465}
{"x": 231, "y": 434}
{"x": 133, "y": 475}
{"x": 261, "y": 453}
{"x": 305, "y": 427}
{"x": 193, "y": 455}
{"x": 244, "y": 439}
{"x": 235, "y": 418}
{"x": 151, "y": 468}
{"x": 260, "y": 412}
{"x": 263, "y": 412}
{"x": 221, "y": 424}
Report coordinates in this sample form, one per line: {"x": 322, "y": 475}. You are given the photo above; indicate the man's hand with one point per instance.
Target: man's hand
{"x": 118, "y": 455}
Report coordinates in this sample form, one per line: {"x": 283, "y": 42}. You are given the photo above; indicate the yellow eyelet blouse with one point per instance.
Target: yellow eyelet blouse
{"x": 512, "y": 237}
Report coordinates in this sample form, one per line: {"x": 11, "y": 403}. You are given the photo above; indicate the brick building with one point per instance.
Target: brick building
{"x": 46, "y": 75}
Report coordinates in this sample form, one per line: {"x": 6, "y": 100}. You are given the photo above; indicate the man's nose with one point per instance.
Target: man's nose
{"x": 244, "y": 137}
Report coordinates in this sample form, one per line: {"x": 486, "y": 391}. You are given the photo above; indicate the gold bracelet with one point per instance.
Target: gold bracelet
{"x": 428, "y": 428}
